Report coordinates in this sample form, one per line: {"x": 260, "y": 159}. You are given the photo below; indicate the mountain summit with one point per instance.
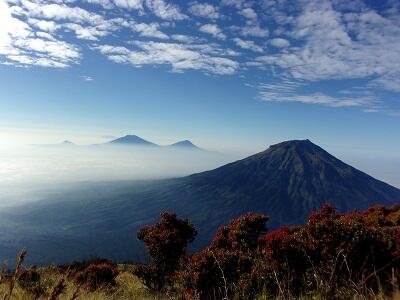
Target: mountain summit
{"x": 131, "y": 140}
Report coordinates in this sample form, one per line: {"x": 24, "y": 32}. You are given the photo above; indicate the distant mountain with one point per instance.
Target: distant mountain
{"x": 65, "y": 143}
{"x": 285, "y": 182}
{"x": 186, "y": 144}
{"x": 131, "y": 140}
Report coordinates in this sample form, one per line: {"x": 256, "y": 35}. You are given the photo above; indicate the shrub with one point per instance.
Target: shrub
{"x": 225, "y": 267}
{"x": 29, "y": 280}
{"x": 166, "y": 242}
{"x": 78, "y": 266}
{"x": 333, "y": 256}
{"x": 241, "y": 234}
{"x": 96, "y": 276}
{"x": 330, "y": 252}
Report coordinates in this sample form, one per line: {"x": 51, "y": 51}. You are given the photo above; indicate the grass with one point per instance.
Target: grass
{"x": 128, "y": 287}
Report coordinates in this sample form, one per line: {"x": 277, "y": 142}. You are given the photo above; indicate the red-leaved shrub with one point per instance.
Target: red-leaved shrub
{"x": 330, "y": 252}
{"x": 166, "y": 243}
{"x": 224, "y": 268}
{"x": 96, "y": 276}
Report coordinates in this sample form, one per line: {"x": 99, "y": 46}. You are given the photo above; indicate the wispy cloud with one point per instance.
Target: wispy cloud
{"x": 165, "y": 11}
{"x": 248, "y": 45}
{"x": 288, "y": 90}
{"x": 214, "y": 30}
{"x": 179, "y": 56}
{"x": 87, "y": 78}
{"x": 332, "y": 44}
{"x": 149, "y": 30}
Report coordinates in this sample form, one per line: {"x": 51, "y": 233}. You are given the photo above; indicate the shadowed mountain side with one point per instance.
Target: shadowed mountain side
{"x": 286, "y": 182}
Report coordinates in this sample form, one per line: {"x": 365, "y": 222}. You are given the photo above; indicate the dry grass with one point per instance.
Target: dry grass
{"x": 128, "y": 287}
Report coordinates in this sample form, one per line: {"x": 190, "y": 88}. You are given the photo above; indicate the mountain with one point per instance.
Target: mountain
{"x": 285, "y": 182}
{"x": 131, "y": 140}
{"x": 63, "y": 144}
{"x": 185, "y": 144}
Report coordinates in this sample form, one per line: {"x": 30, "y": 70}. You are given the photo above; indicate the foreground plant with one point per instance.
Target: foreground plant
{"x": 96, "y": 276}
{"x": 223, "y": 269}
{"x": 20, "y": 261}
{"x": 166, "y": 242}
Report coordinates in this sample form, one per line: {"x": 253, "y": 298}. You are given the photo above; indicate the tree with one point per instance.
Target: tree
{"x": 166, "y": 242}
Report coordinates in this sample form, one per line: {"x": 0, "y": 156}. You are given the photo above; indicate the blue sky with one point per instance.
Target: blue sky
{"x": 230, "y": 74}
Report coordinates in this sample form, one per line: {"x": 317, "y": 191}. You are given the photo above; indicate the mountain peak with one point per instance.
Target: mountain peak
{"x": 295, "y": 143}
{"x": 131, "y": 139}
{"x": 296, "y": 147}
{"x": 185, "y": 144}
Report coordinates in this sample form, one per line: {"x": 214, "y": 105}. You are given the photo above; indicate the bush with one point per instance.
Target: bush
{"x": 225, "y": 267}
{"x": 333, "y": 256}
{"x": 96, "y": 276}
{"x": 78, "y": 266}
{"x": 166, "y": 242}
{"x": 29, "y": 280}
{"x": 330, "y": 252}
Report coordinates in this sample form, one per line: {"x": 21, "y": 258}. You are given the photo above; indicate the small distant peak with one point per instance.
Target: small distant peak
{"x": 66, "y": 142}
{"x": 131, "y": 139}
{"x": 184, "y": 143}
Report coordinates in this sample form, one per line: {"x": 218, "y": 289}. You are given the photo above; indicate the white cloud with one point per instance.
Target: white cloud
{"x": 20, "y": 45}
{"x": 149, "y": 30}
{"x": 280, "y": 43}
{"x": 87, "y": 78}
{"x": 335, "y": 44}
{"x": 249, "y": 45}
{"x": 248, "y": 13}
{"x": 129, "y": 4}
{"x": 235, "y": 3}
{"x": 60, "y": 12}
{"x": 107, "y": 4}
{"x": 204, "y": 10}
{"x": 165, "y": 11}
{"x": 287, "y": 91}
{"x": 183, "y": 38}
{"x": 254, "y": 30}
{"x": 86, "y": 33}
{"x": 179, "y": 56}
{"x": 45, "y": 35}
{"x": 212, "y": 29}
{"x": 44, "y": 25}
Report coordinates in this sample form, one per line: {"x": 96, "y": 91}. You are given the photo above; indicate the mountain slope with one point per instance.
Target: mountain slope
{"x": 131, "y": 140}
{"x": 286, "y": 182}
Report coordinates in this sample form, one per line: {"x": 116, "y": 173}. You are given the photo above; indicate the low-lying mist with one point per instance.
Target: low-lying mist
{"x": 28, "y": 171}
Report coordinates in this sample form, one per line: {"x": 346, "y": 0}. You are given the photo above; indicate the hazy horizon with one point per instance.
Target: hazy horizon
{"x": 27, "y": 172}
